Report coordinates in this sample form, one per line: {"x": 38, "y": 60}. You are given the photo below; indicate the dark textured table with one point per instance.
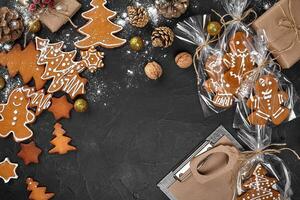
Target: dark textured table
{"x": 135, "y": 130}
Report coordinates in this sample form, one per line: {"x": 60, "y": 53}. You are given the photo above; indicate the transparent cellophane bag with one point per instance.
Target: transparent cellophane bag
{"x": 192, "y": 31}
{"x": 236, "y": 60}
{"x": 262, "y": 175}
{"x": 266, "y": 96}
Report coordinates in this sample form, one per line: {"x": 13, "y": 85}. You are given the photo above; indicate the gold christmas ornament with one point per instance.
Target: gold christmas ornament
{"x": 171, "y": 8}
{"x": 136, "y": 43}
{"x": 153, "y": 70}
{"x": 2, "y": 83}
{"x": 162, "y": 37}
{"x": 34, "y": 26}
{"x": 80, "y": 105}
{"x": 184, "y": 60}
{"x": 138, "y": 16}
{"x": 214, "y": 28}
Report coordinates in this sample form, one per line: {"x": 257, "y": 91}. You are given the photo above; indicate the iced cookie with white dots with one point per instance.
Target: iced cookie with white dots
{"x": 259, "y": 186}
{"x": 15, "y": 116}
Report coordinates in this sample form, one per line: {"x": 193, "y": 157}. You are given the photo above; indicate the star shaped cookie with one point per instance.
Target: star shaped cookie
{"x": 60, "y": 108}
{"x": 29, "y": 153}
{"x": 8, "y": 170}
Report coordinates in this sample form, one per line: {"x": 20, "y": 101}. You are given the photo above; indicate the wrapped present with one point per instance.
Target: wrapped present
{"x": 282, "y": 26}
{"x": 54, "y": 18}
{"x": 207, "y": 173}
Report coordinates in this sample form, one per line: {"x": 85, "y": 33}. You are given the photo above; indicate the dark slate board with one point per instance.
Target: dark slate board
{"x": 135, "y": 130}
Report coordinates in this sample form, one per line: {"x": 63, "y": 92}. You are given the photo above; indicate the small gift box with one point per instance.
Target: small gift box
{"x": 282, "y": 26}
{"x": 208, "y": 172}
{"x": 54, "y": 18}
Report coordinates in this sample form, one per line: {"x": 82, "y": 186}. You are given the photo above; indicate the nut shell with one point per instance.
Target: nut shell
{"x": 153, "y": 70}
{"x": 184, "y": 60}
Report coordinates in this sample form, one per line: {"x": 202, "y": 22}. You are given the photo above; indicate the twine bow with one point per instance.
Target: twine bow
{"x": 291, "y": 24}
{"x": 270, "y": 149}
{"x": 235, "y": 18}
{"x": 255, "y": 73}
{"x": 198, "y": 52}
{"x": 60, "y": 9}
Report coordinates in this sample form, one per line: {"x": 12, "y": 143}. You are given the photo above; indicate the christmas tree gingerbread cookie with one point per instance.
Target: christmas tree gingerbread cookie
{"x": 99, "y": 31}
{"x": 38, "y": 99}
{"x": 36, "y": 192}
{"x": 15, "y": 116}
{"x": 60, "y": 142}
{"x": 268, "y": 102}
{"x": 63, "y": 70}
{"x": 259, "y": 186}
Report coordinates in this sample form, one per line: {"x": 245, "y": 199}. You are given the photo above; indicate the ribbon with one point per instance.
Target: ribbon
{"x": 248, "y": 155}
{"x": 291, "y": 24}
{"x": 60, "y": 9}
{"x": 235, "y": 18}
{"x": 198, "y": 52}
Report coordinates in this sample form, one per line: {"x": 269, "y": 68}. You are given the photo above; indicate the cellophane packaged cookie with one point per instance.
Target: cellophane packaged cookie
{"x": 236, "y": 60}
{"x": 207, "y": 60}
{"x": 266, "y": 96}
{"x": 263, "y": 174}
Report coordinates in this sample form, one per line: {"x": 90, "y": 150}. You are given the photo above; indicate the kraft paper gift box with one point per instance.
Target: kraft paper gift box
{"x": 281, "y": 24}
{"x": 63, "y": 10}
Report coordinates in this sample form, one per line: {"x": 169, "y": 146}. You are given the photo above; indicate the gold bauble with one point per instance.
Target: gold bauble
{"x": 35, "y": 26}
{"x": 136, "y": 43}
{"x": 214, "y": 28}
{"x": 2, "y": 83}
{"x": 81, "y": 105}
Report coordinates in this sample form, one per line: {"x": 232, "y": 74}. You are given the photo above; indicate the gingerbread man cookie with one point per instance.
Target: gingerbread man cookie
{"x": 268, "y": 102}
{"x": 237, "y": 62}
{"x": 15, "y": 116}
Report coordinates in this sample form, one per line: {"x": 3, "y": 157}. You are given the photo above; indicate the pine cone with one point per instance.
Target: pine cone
{"x": 171, "y": 8}
{"x": 138, "y": 16}
{"x": 162, "y": 37}
{"x": 11, "y": 25}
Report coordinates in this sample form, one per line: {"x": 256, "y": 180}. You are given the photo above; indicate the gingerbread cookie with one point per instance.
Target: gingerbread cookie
{"x": 238, "y": 61}
{"x": 24, "y": 62}
{"x": 61, "y": 142}
{"x": 37, "y": 193}
{"x": 259, "y": 186}
{"x": 61, "y": 68}
{"x": 29, "y": 153}
{"x": 215, "y": 71}
{"x": 8, "y": 170}
{"x": 60, "y": 108}
{"x": 38, "y": 99}
{"x": 225, "y": 77}
{"x": 15, "y": 116}
{"x": 93, "y": 59}
{"x": 99, "y": 30}
{"x": 268, "y": 102}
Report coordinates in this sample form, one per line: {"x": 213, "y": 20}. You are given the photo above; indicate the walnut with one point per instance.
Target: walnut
{"x": 153, "y": 70}
{"x": 184, "y": 60}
